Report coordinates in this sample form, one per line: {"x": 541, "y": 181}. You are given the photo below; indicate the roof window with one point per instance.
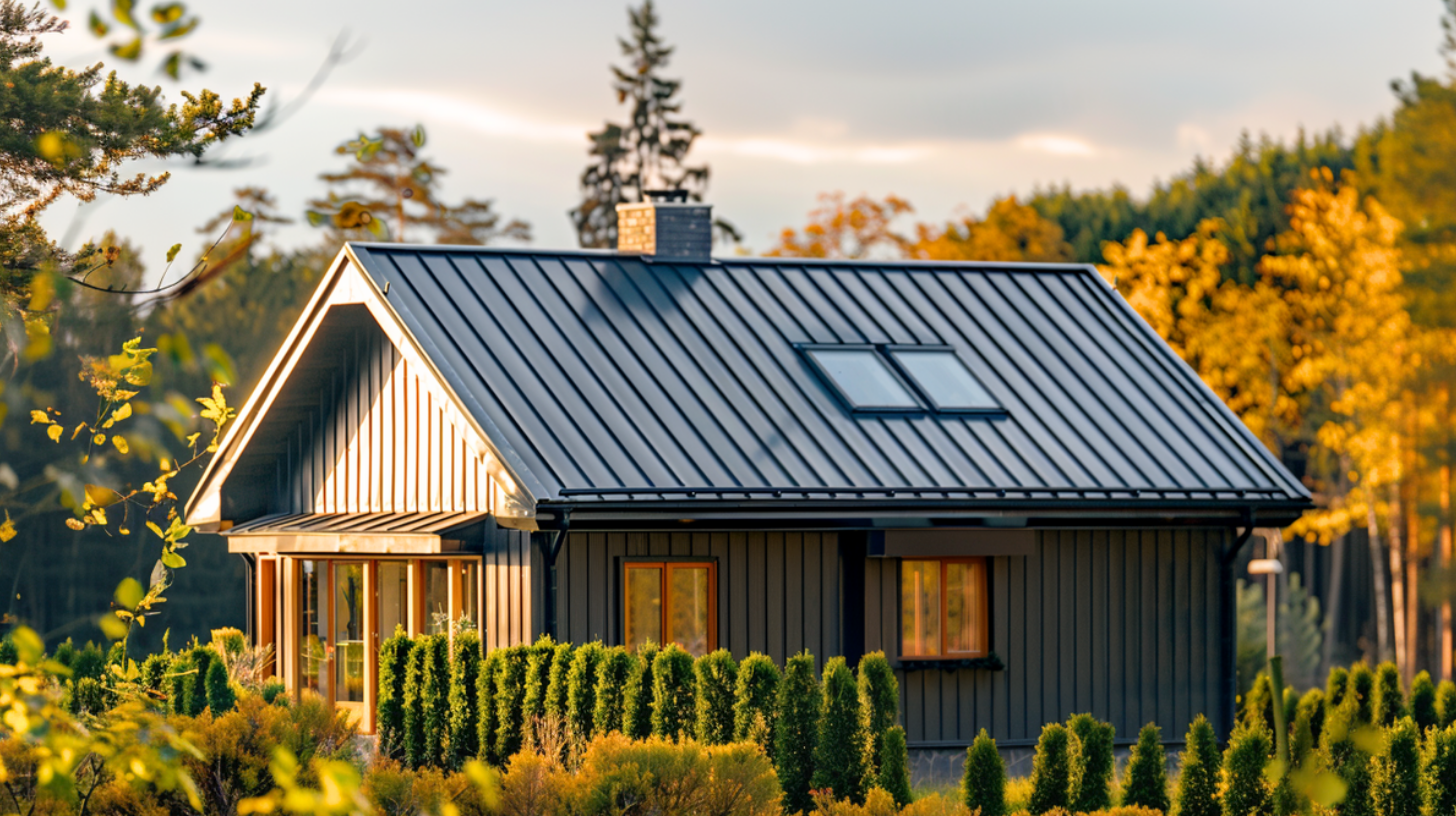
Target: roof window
{"x": 864, "y": 378}
{"x": 943, "y": 377}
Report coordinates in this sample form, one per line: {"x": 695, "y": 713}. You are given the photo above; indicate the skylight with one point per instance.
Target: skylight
{"x": 943, "y": 377}
{"x": 864, "y": 379}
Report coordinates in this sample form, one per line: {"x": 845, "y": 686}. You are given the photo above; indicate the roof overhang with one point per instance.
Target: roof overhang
{"x": 351, "y": 533}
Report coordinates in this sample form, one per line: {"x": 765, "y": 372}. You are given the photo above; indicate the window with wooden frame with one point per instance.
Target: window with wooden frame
{"x": 671, "y": 602}
{"x": 943, "y": 609}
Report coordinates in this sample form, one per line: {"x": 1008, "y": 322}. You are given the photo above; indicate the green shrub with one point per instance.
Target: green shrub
{"x": 273, "y": 689}
{"x": 178, "y": 678}
{"x": 556, "y": 683}
{"x": 9, "y": 656}
{"x": 65, "y": 653}
{"x": 1245, "y": 788}
{"x": 487, "y": 717}
{"x": 89, "y": 662}
{"x": 220, "y": 697}
{"x": 1395, "y": 772}
{"x": 1423, "y": 701}
{"x": 1145, "y": 783}
{"x": 229, "y": 640}
{"x": 879, "y": 700}
{"x": 894, "y": 773}
{"x": 655, "y": 776}
{"x": 1342, "y": 754}
{"x": 196, "y": 691}
{"x": 754, "y": 699}
{"x": 796, "y": 729}
{"x": 1336, "y": 686}
{"x": 637, "y": 698}
{"x": 415, "y": 755}
{"x": 509, "y": 699}
{"x": 154, "y": 672}
{"x": 1197, "y": 793}
{"x": 87, "y": 696}
{"x": 435, "y": 699}
{"x": 673, "y": 707}
{"x": 1090, "y": 763}
{"x": 1362, "y": 687}
{"x": 389, "y": 708}
{"x": 463, "y": 699}
{"x": 581, "y": 690}
{"x": 1258, "y": 704}
{"x": 839, "y": 756}
{"x": 1438, "y": 771}
{"x": 1389, "y": 702}
{"x": 983, "y": 783}
{"x": 1050, "y": 771}
{"x": 716, "y": 676}
{"x": 1446, "y": 704}
{"x": 1312, "y": 707}
{"x": 616, "y": 667}
{"x": 116, "y": 655}
{"x": 538, "y": 678}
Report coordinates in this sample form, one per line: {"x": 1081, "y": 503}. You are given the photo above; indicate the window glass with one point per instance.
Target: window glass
{"x": 393, "y": 597}
{"x": 437, "y": 597}
{"x": 864, "y": 378}
{"x": 349, "y": 632}
{"x": 944, "y": 377}
{"x": 964, "y": 603}
{"x": 920, "y": 608}
{"x": 313, "y": 662}
{"x": 470, "y": 591}
{"x": 643, "y": 618}
{"x": 688, "y": 608}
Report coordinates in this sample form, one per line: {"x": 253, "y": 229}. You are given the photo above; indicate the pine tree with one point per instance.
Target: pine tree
{"x": 220, "y": 696}
{"x": 1438, "y": 771}
{"x": 716, "y": 675}
{"x": 538, "y": 679}
{"x": 509, "y": 696}
{"x": 616, "y": 667}
{"x": 389, "y": 710}
{"x": 487, "y": 717}
{"x": 416, "y": 755}
{"x": 1423, "y": 701}
{"x": 1446, "y": 703}
{"x": 1091, "y": 764}
{"x": 1389, "y": 702}
{"x": 1145, "y": 783}
{"x": 1395, "y": 772}
{"x": 894, "y": 773}
{"x": 581, "y": 690}
{"x": 1245, "y": 788}
{"x": 1050, "y": 771}
{"x": 755, "y": 698}
{"x": 1197, "y": 793}
{"x": 637, "y": 701}
{"x": 464, "y": 699}
{"x": 673, "y": 707}
{"x": 839, "y": 756}
{"x": 983, "y": 783}
{"x": 796, "y": 731}
{"x": 879, "y": 700}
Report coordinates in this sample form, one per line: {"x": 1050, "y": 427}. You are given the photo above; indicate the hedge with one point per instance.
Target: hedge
{"x": 1050, "y": 773}
{"x": 1389, "y": 700}
{"x": 637, "y": 698}
{"x": 508, "y": 702}
{"x": 1245, "y": 787}
{"x": 1312, "y": 707}
{"x": 1145, "y": 783}
{"x": 894, "y": 774}
{"x": 615, "y": 668}
{"x": 389, "y": 708}
{"x": 754, "y": 701}
{"x": 1422, "y": 701}
{"x": 487, "y": 717}
{"x": 581, "y": 690}
{"x": 1362, "y": 688}
{"x": 1395, "y": 773}
{"x": 1090, "y": 764}
{"x": 538, "y": 678}
{"x": 1336, "y": 686}
{"x": 839, "y": 758}
{"x": 795, "y": 730}
{"x": 220, "y": 696}
{"x": 464, "y": 699}
{"x": 674, "y": 710}
{"x": 983, "y": 783}
{"x": 1438, "y": 770}
{"x": 1446, "y": 704}
{"x": 716, "y": 675}
{"x": 1197, "y": 793}
{"x": 1342, "y": 754}
{"x": 555, "y": 705}
{"x": 879, "y": 700}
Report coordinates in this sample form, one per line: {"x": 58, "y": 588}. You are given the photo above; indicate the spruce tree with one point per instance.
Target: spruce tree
{"x": 1362, "y": 688}
{"x": 755, "y": 699}
{"x": 1145, "y": 783}
{"x": 581, "y": 690}
{"x": 415, "y": 753}
{"x": 1438, "y": 771}
{"x": 389, "y": 708}
{"x": 509, "y": 696}
{"x": 1050, "y": 771}
{"x": 1395, "y": 772}
{"x": 879, "y": 700}
{"x": 1090, "y": 762}
{"x": 1446, "y": 703}
{"x": 796, "y": 730}
{"x": 1389, "y": 702}
{"x": 1197, "y": 793}
{"x": 983, "y": 782}
{"x": 464, "y": 699}
{"x": 839, "y": 756}
{"x": 894, "y": 773}
{"x": 220, "y": 696}
{"x": 673, "y": 707}
{"x": 487, "y": 717}
{"x": 716, "y": 676}
{"x": 538, "y": 679}
{"x": 616, "y": 667}
{"x": 1423, "y": 701}
{"x": 637, "y": 700}
{"x": 1245, "y": 787}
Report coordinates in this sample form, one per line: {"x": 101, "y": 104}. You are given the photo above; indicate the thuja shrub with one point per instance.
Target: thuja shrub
{"x": 1438, "y": 770}
{"x": 754, "y": 699}
{"x": 415, "y": 754}
{"x": 538, "y": 677}
{"x": 1336, "y": 686}
{"x": 1145, "y": 783}
{"x": 894, "y": 773}
{"x": 555, "y": 705}
{"x": 716, "y": 675}
{"x": 1341, "y": 752}
{"x": 637, "y": 698}
{"x": 463, "y": 699}
{"x": 195, "y": 690}
{"x": 1090, "y": 764}
{"x": 389, "y": 710}
{"x": 273, "y": 691}
{"x": 220, "y": 697}
{"x": 1388, "y": 705}
{"x": 178, "y": 679}
{"x": 435, "y": 697}
{"x": 581, "y": 690}
{"x": 879, "y": 700}
{"x": 9, "y": 655}
{"x": 88, "y": 662}
{"x": 616, "y": 667}
{"x": 673, "y": 708}
{"x": 1050, "y": 772}
{"x": 839, "y": 756}
{"x": 487, "y": 718}
{"x": 658, "y": 776}
{"x": 983, "y": 783}
{"x": 1446, "y": 704}
{"x": 1245, "y": 787}
{"x": 1197, "y": 793}
{"x": 1395, "y": 772}
{"x": 509, "y": 700}
{"x": 1422, "y": 701}
{"x": 795, "y": 730}
{"x": 1362, "y": 688}
{"x": 1258, "y": 704}
{"x": 153, "y": 672}
{"x": 1312, "y": 707}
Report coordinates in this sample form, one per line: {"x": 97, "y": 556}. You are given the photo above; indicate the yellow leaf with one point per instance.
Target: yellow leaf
{"x": 99, "y": 439}
{"x": 118, "y": 415}
{"x": 75, "y": 524}
{"x": 120, "y": 444}
{"x": 40, "y": 418}
{"x": 112, "y": 626}
{"x": 7, "y": 530}
{"x": 54, "y": 432}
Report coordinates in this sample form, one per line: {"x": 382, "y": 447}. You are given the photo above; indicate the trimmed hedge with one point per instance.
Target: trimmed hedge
{"x": 555, "y": 705}
{"x": 839, "y": 757}
{"x": 754, "y": 701}
{"x": 1091, "y": 764}
{"x": 879, "y": 700}
{"x": 1389, "y": 700}
{"x": 538, "y": 678}
{"x": 581, "y": 690}
{"x": 716, "y": 675}
{"x": 1395, "y": 772}
{"x": 894, "y": 775}
{"x": 464, "y": 699}
{"x": 1422, "y": 701}
{"x": 487, "y": 719}
{"x": 637, "y": 698}
{"x": 508, "y": 700}
{"x": 1050, "y": 772}
{"x": 220, "y": 696}
{"x": 415, "y": 754}
{"x": 1245, "y": 788}
{"x": 795, "y": 731}
{"x": 389, "y": 707}
{"x": 1197, "y": 793}
{"x": 1145, "y": 783}
{"x": 983, "y": 783}
{"x": 616, "y": 667}
{"x": 673, "y": 706}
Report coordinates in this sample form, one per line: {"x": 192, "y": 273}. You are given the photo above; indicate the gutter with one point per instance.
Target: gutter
{"x": 1228, "y": 628}
{"x": 551, "y": 554}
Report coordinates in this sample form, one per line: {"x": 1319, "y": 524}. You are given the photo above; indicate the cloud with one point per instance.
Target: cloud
{"x": 471, "y": 114}
{"x": 1056, "y": 145}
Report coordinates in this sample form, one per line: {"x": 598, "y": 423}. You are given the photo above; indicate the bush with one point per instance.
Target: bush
{"x": 1145, "y": 783}
{"x": 556, "y": 683}
{"x": 879, "y": 700}
{"x": 1438, "y": 771}
{"x": 754, "y": 699}
{"x": 1342, "y": 754}
{"x": 983, "y": 783}
{"x": 795, "y": 730}
{"x": 9, "y": 656}
{"x": 509, "y": 699}
{"x": 220, "y": 697}
{"x": 1312, "y": 707}
{"x": 65, "y": 653}
{"x": 87, "y": 696}
{"x": 1423, "y": 701}
{"x": 1388, "y": 705}
{"x": 673, "y": 708}
{"x": 389, "y": 708}
{"x": 487, "y": 717}
{"x": 1090, "y": 762}
{"x": 154, "y": 672}
{"x": 716, "y": 676}
{"x": 619, "y": 775}
{"x": 1050, "y": 772}
{"x": 616, "y": 667}
{"x": 1395, "y": 772}
{"x": 839, "y": 756}
{"x": 878, "y": 802}
{"x": 1446, "y": 704}
{"x": 463, "y": 699}
{"x": 195, "y": 690}
{"x": 1336, "y": 687}
{"x": 637, "y": 698}
{"x": 581, "y": 690}
{"x": 394, "y": 790}
{"x": 538, "y": 678}
{"x": 435, "y": 698}
{"x": 116, "y": 655}
{"x": 1245, "y": 788}
{"x": 179, "y": 676}
{"x": 1362, "y": 688}
{"x": 229, "y": 640}
{"x": 273, "y": 689}
{"x": 894, "y": 773}
{"x": 1258, "y": 704}
{"x": 1197, "y": 792}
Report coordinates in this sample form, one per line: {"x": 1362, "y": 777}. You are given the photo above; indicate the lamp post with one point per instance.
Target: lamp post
{"x": 1272, "y": 567}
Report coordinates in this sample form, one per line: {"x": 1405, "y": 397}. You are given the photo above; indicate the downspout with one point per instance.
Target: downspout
{"x": 250, "y": 580}
{"x": 1228, "y": 614}
{"x": 551, "y": 553}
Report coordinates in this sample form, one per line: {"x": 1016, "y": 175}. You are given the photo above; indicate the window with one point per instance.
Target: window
{"x": 943, "y": 608}
{"x": 670, "y": 602}
{"x": 943, "y": 377}
{"x": 863, "y": 378}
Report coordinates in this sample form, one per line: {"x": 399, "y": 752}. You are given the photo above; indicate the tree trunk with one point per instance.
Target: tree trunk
{"x": 1331, "y": 622}
{"x": 1397, "y": 577}
{"x": 1411, "y": 501}
{"x": 1377, "y": 571}
{"x": 1443, "y": 547}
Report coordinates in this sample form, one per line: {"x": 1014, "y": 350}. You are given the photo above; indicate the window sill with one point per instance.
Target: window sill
{"x": 991, "y": 662}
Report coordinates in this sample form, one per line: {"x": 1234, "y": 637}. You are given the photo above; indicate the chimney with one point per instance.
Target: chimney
{"x": 666, "y": 226}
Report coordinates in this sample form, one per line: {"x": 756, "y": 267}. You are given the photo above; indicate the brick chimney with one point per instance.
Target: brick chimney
{"x": 666, "y": 226}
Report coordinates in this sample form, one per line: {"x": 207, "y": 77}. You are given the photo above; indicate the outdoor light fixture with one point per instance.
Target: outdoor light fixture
{"x": 1266, "y": 566}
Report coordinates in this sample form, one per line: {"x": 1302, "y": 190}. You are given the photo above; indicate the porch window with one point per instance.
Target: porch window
{"x": 943, "y": 608}
{"x": 313, "y": 659}
{"x": 671, "y": 602}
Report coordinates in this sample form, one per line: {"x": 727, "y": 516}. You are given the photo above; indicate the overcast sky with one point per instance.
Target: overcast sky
{"x": 948, "y": 104}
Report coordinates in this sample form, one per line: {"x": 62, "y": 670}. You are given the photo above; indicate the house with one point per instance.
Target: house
{"x": 996, "y": 473}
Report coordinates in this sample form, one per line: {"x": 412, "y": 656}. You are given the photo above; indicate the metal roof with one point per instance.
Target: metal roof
{"x": 612, "y": 378}
{"x": 355, "y": 523}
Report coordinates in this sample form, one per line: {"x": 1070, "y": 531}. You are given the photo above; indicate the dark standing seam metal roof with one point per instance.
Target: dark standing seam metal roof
{"x": 601, "y": 372}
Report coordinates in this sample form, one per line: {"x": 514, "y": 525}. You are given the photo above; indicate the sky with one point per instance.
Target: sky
{"x": 947, "y": 104}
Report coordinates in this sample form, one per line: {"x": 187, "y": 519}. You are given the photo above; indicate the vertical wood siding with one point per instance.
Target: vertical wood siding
{"x": 510, "y": 565}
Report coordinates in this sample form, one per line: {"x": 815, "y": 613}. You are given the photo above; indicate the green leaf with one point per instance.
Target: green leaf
{"x": 111, "y": 626}
{"x": 316, "y": 218}
{"x": 417, "y": 136}
{"x": 173, "y": 560}
{"x": 97, "y": 25}
{"x": 129, "y": 593}
{"x": 167, "y": 13}
{"x": 172, "y": 253}
{"x": 172, "y": 65}
{"x": 60, "y": 4}
{"x": 28, "y": 645}
{"x": 152, "y": 525}
{"x": 121, "y": 10}
{"x": 240, "y": 214}
{"x": 182, "y": 29}
{"x": 130, "y": 51}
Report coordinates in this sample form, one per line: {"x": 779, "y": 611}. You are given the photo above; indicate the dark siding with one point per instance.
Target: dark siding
{"x": 510, "y": 562}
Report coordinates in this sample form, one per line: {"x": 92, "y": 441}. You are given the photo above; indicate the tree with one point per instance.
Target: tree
{"x": 1197, "y": 793}
{"x": 616, "y": 667}
{"x": 648, "y": 153}
{"x": 581, "y": 690}
{"x": 393, "y": 664}
{"x": 464, "y": 699}
{"x": 796, "y": 731}
{"x": 983, "y": 782}
{"x": 894, "y": 766}
{"x": 637, "y": 704}
{"x": 1395, "y": 772}
{"x": 879, "y": 702}
{"x": 674, "y": 710}
{"x": 716, "y": 675}
{"x": 839, "y": 755}
{"x": 1011, "y": 231}
{"x": 1091, "y": 760}
{"x": 1146, "y": 782}
{"x": 840, "y": 229}
{"x": 1050, "y": 771}
{"x": 754, "y": 699}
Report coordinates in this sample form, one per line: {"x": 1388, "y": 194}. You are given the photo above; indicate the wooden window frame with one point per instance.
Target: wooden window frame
{"x": 983, "y": 601}
{"x": 665, "y": 581}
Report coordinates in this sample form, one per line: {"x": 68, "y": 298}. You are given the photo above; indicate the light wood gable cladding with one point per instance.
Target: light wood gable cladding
{"x": 353, "y": 417}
